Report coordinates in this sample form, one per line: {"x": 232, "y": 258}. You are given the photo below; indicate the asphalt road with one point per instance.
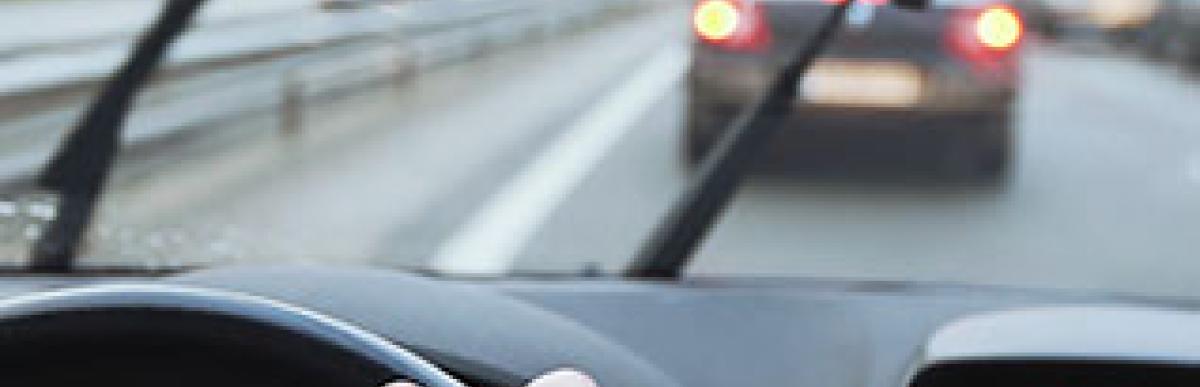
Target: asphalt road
{"x": 560, "y": 156}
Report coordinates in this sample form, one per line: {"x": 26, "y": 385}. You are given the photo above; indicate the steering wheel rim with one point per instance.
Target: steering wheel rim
{"x": 322, "y": 329}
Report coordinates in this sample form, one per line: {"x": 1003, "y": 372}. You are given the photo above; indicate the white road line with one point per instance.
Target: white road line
{"x": 490, "y": 240}
{"x": 1192, "y": 168}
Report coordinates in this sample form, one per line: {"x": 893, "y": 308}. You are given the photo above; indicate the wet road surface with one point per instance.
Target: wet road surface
{"x": 560, "y": 155}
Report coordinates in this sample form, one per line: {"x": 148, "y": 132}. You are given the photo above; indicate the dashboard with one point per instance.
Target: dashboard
{"x": 700, "y": 332}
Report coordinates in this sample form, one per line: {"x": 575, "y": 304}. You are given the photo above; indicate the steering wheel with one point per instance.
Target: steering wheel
{"x": 156, "y": 335}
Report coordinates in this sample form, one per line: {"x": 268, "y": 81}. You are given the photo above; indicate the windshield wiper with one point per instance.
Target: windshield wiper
{"x": 670, "y": 248}
{"x": 80, "y": 167}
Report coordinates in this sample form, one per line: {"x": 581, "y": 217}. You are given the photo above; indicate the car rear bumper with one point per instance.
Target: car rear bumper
{"x": 905, "y": 140}
{"x": 717, "y": 80}
{"x": 855, "y": 123}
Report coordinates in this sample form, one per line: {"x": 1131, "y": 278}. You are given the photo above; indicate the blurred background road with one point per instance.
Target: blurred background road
{"x": 557, "y": 148}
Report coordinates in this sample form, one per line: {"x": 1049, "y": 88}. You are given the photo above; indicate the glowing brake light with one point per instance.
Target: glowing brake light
{"x": 987, "y": 34}
{"x": 716, "y": 20}
{"x": 731, "y": 24}
{"x": 999, "y": 27}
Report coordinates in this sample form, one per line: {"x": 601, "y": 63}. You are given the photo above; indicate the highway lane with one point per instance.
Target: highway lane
{"x": 1103, "y": 195}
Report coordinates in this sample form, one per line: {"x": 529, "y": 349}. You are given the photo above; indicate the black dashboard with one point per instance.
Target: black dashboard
{"x": 701, "y": 332}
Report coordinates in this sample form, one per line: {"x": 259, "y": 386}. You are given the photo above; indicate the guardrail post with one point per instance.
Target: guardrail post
{"x": 291, "y": 105}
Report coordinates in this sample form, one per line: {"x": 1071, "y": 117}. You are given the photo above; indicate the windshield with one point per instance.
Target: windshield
{"x": 978, "y": 142}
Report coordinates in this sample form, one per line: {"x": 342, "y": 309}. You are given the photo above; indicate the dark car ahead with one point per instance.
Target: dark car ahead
{"x": 935, "y": 86}
{"x": 1174, "y": 32}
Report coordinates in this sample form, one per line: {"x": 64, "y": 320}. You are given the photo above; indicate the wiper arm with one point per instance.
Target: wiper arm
{"x": 671, "y": 246}
{"x": 80, "y": 167}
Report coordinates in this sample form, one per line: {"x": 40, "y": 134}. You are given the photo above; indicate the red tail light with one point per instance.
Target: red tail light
{"x": 985, "y": 34}
{"x": 738, "y": 25}
{"x": 999, "y": 28}
{"x": 990, "y": 32}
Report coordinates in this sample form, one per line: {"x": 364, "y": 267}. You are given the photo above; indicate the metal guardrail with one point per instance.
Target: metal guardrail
{"x": 392, "y": 57}
{"x": 288, "y": 82}
{"x": 283, "y": 86}
{"x": 84, "y": 42}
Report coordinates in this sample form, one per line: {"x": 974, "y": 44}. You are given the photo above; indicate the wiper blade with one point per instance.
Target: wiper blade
{"x": 80, "y": 167}
{"x": 674, "y": 241}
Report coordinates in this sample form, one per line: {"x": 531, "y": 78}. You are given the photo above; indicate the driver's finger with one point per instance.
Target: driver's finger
{"x": 564, "y": 378}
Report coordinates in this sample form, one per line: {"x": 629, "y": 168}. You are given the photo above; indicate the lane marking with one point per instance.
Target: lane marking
{"x": 488, "y": 243}
{"x": 1192, "y": 168}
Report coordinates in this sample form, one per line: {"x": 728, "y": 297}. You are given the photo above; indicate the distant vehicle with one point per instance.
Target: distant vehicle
{"x": 937, "y": 84}
{"x": 1118, "y": 21}
{"x": 1123, "y": 21}
{"x": 1174, "y": 32}
{"x": 1040, "y": 16}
